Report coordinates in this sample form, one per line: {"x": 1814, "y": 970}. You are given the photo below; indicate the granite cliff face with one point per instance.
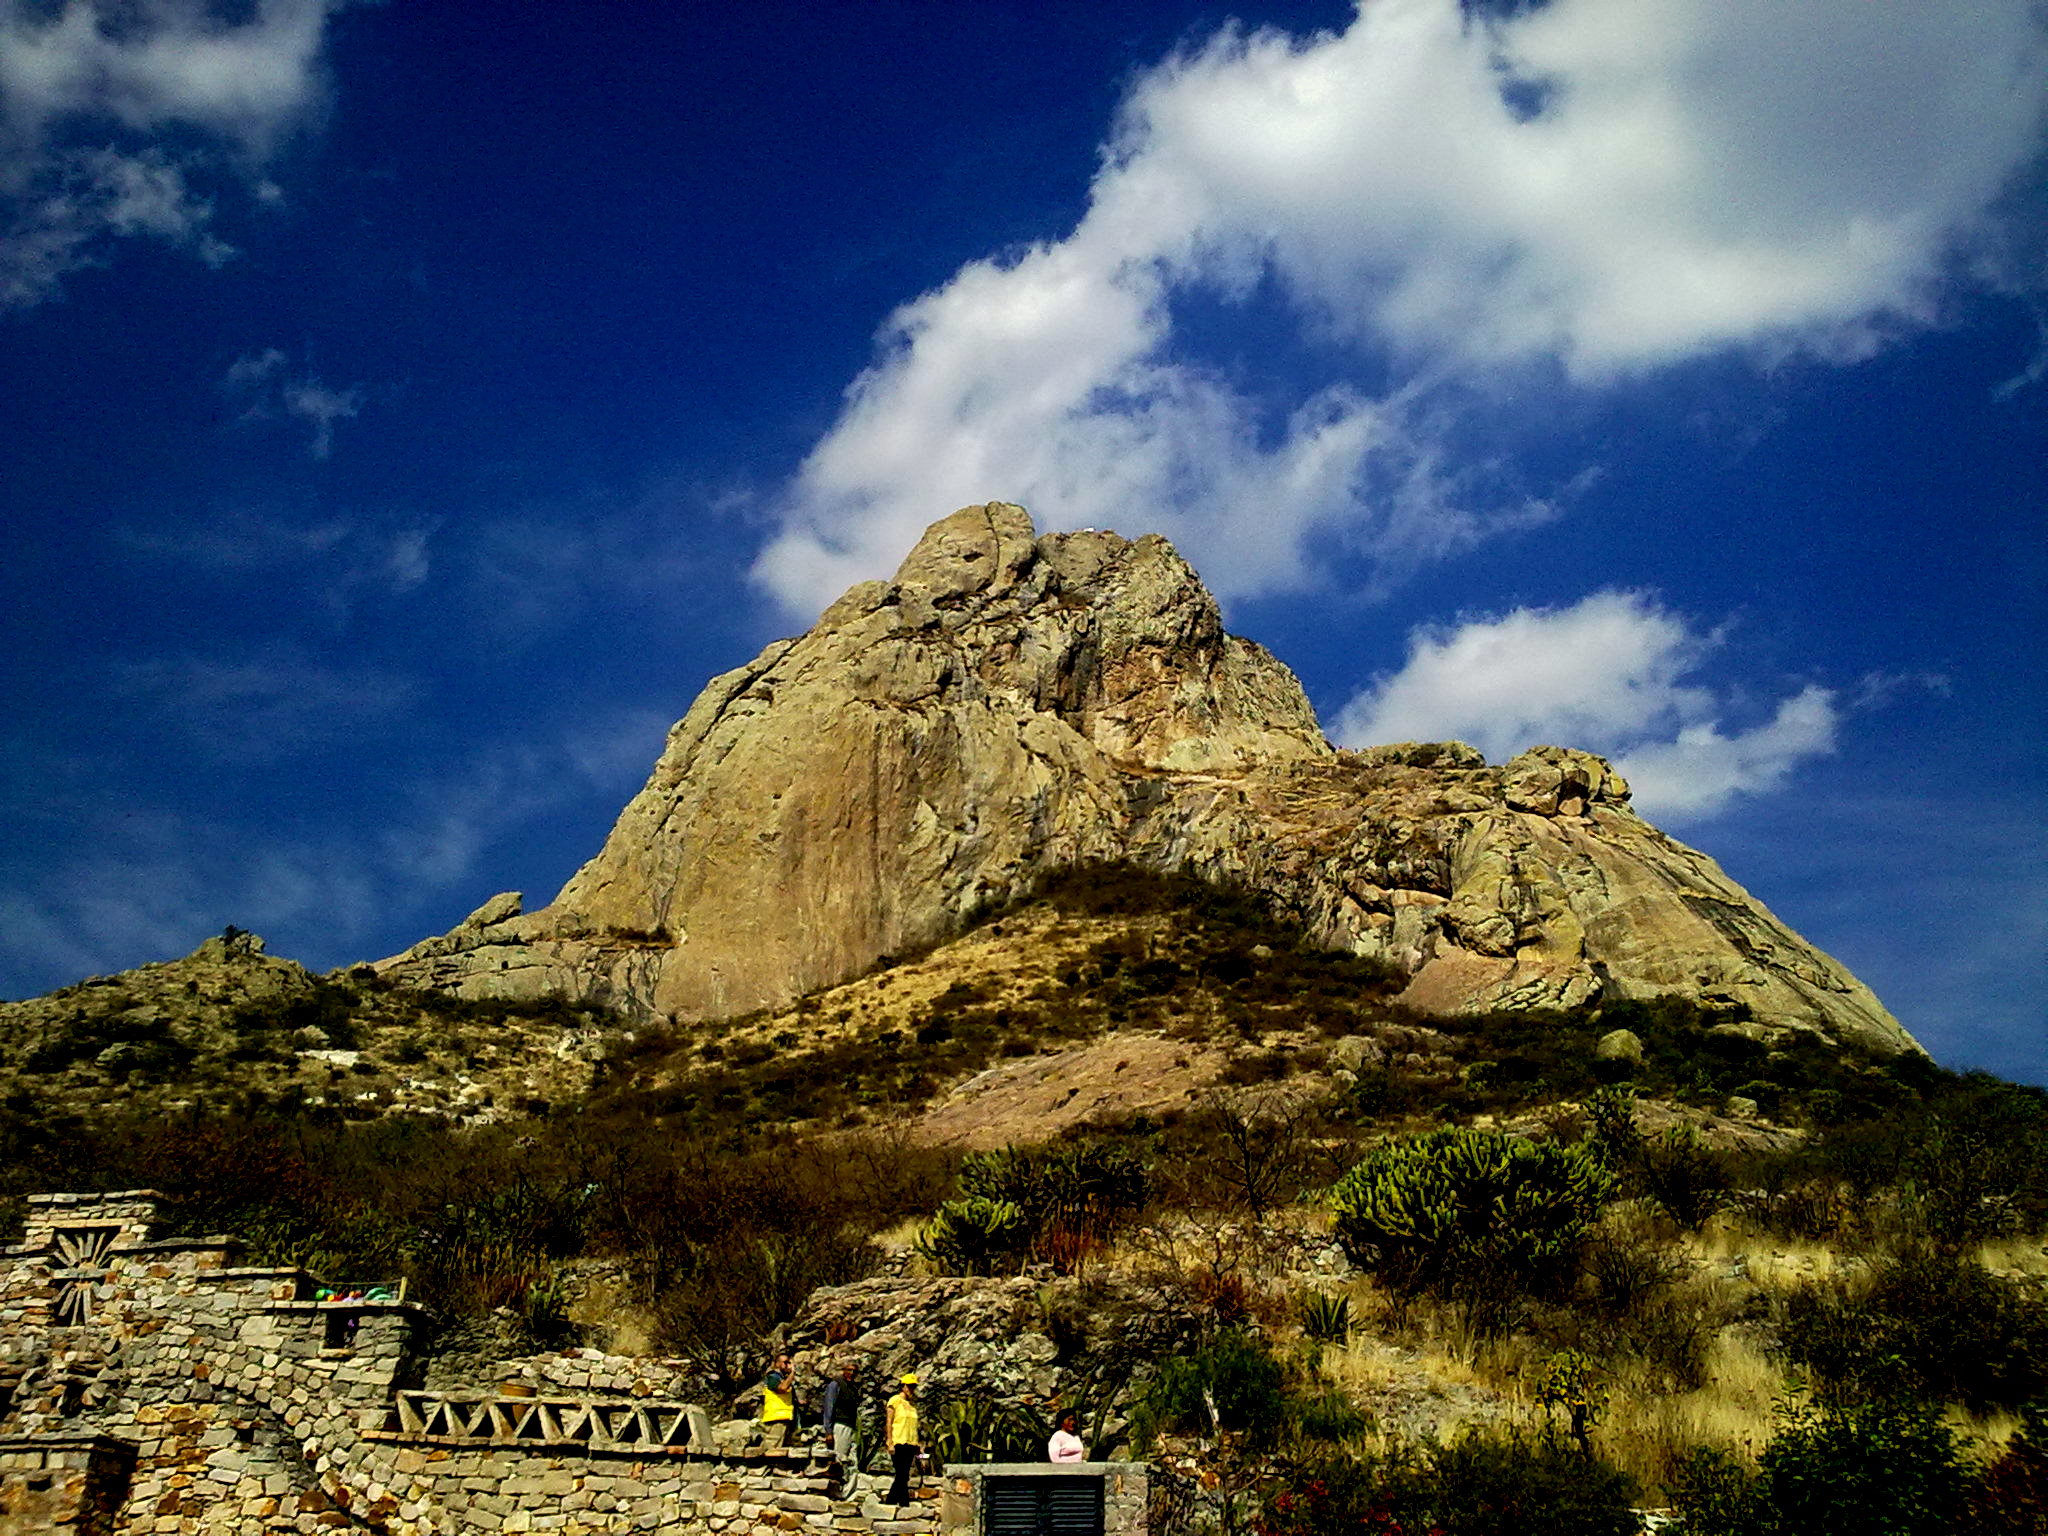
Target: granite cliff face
{"x": 1011, "y": 703}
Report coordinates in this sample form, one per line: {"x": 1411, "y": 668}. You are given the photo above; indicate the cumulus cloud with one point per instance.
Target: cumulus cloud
{"x": 1608, "y": 674}
{"x": 1599, "y": 186}
{"x": 112, "y": 115}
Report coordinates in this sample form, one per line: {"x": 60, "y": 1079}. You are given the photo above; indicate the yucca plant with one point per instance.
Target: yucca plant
{"x": 1326, "y": 1318}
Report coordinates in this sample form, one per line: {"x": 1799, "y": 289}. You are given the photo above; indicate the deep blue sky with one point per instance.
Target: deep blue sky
{"x": 405, "y": 408}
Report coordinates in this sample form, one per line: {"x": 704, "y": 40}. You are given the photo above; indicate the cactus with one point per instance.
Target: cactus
{"x": 973, "y": 1236}
{"x": 1457, "y": 1212}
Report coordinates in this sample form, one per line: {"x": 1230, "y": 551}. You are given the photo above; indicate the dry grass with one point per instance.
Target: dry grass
{"x": 1644, "y": 1432}
{"x": 1770, "y": 1262}
{"x": 2016, "y": 1256}
{"x": 1421, "y": 1380}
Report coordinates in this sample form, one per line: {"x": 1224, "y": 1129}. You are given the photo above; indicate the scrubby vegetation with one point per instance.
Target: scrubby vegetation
{"x": 1735, "y": 1272}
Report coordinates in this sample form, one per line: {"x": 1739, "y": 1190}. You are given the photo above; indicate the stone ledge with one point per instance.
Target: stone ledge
{"x": 14, "y": 1445}
{"x": 111, "y": 1197}
{"x": 1047, "y": 1468}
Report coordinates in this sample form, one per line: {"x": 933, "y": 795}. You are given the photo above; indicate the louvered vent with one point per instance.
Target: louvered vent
{"x": 1042, "y": 1506}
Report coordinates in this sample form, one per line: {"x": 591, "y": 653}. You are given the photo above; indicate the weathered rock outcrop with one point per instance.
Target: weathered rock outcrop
{"x": 1011, "y": 703}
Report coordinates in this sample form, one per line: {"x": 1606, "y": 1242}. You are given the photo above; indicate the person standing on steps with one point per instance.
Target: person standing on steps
{"x": 778, "y": 1408}
{"x": 842, "y": 1401}
{"x": 902, "y": 1437}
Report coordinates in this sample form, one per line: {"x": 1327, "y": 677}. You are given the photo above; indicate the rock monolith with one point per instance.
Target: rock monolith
{"x": 1013, "y": 702}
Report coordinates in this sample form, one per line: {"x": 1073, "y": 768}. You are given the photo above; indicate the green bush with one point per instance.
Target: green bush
{"x": 1927, "y": 1324}
{"x": 1326, "y": 1318}
{"x": 1686, "y": 1178}
{"x": 1512, "y": 1485}
{"x": 1231, "y": 1376}
{"x": 974, "y": 1429}
{"x": 1966, "y": 1159}
{"x": 1065, "y": 1198}
{"x": 1469, "y": 1214}
{"x": 1479, "y": 1485}
{"x": 1351, "y": 1494}
{"x": 1875, "y": 1469}
{"x": 1327, "y": 1415}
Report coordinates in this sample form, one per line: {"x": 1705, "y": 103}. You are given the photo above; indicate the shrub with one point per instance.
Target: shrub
{"x": 1926, "y": 1324}
{"x": 1232, "y": 1377}
{"x": 974, "y": 1429}
{"x": 2011, "y": 1498}
{"x": 1884, "y": 1469}
{"x": 1325, "y": 1318}
{"x": 1480, "y": 1485}
{"x": 1713, "y": 1494}
{"x": 1469, "y": 1214}
{"x": 1968, "y": 1159}
{"x": 1068, "y": 1196}
{"x": 1876, "y": 1469}
{"x": 1511, "y": 1485}
{"x": 1355, "y": 1492}
{"x": 1684, "y": 1177}
{"x": 1327, "y": 1415}
{"x": 1570, "y": 1386}
{"x": 1614, "y": 1135}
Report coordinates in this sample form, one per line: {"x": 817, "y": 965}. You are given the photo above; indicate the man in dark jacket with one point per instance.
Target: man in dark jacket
{"x": 841, "y": 1404}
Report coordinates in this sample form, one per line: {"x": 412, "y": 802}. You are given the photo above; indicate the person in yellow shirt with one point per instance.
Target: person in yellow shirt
{"x": 902, "y": 1438}
{"x": 778, "y": 1409}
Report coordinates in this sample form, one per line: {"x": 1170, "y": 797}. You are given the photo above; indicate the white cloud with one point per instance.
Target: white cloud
{"x": 85, "y": 197}
{"x": 342, "y": 559}
{"x": 120, "y": 883}
{"x": 312, "y": 401}
{"x": 261, "y": 382}
{"x": 1701, "y": 770}
{"x": 265, "y": 708}
{"x": 91, "y": 93}
{"x": 1608, "y": 674}
{"x": 1606, "y": 186}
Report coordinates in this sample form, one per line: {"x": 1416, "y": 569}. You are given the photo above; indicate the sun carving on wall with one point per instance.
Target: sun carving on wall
{"x": 81, "y": 1265}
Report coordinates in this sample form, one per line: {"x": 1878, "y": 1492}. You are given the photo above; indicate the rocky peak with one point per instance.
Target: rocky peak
{"x": 1117, "y": 639}
{"x": 1011, "y": 703}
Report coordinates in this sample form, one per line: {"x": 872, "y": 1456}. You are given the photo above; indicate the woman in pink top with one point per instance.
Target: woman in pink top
{"x": 1065, "y": 1445}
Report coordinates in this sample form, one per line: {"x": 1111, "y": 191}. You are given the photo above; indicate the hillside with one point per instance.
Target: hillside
{"x": 808, "y": 1177}
{"x": 1015, "y": 1029}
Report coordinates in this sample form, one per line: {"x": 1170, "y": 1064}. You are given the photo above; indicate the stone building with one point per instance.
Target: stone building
{"x": 156, "y": 1385}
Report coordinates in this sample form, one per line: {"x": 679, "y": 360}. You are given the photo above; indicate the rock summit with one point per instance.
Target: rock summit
{"x": 1012, "y": 703}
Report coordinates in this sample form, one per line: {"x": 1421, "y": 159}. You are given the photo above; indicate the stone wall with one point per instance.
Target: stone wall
{"x": 160, "y": 1386}
{"x": 73, "y": 1484}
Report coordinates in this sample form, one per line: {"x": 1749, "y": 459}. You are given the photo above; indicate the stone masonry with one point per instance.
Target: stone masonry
{"x": 152, "y": 1385}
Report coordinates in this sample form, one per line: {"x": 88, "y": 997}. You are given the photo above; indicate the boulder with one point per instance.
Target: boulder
{"x": 1620, "y": 1045}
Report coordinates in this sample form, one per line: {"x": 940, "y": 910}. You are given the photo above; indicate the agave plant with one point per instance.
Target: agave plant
{"x": 1326, "y": 1318}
